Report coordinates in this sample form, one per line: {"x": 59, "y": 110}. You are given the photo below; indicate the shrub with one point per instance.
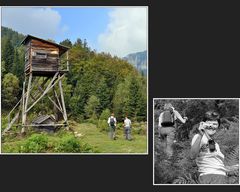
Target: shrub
{"x": 4, "y": 122}
{"x": 105, "y": 114}
{"x": 70, "y": 144}
{"x": 139, "y": 128}
{"x": 78, "y": 118}
{"x": 102, "y": 125}
{"x": 37, "y": 143}
{"x": 92, "y": 120}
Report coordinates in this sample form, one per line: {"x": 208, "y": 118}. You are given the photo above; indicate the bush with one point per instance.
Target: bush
{"x": 78, "y": 118}
{"x": 102, "y": 125}
{"x": 139, "y": 128}
{"x": 70, "y": 144}
{"x": 105, "y": 114}
{"x": 92, "y": 120}
{"x": 4, "y": 122}
{"x": 37, "y": 143}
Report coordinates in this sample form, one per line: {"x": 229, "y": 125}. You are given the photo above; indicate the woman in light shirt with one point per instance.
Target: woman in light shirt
{"x": 209, "y": 158}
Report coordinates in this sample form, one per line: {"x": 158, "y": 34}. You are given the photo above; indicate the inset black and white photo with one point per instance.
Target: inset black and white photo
{"x": 196, "y": 141}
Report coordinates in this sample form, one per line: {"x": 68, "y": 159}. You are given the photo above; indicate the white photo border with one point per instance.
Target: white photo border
{"x": 147, "y": 43}
{"x": 158, "y": 184}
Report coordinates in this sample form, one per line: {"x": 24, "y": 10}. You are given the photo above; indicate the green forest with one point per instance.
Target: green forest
{"x": 96, "y": 85}
{"x": 180, "y": 169}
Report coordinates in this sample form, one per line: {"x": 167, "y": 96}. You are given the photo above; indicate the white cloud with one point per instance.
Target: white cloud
{"x": 41, "y": 22}
{"x": 126, "y": 32}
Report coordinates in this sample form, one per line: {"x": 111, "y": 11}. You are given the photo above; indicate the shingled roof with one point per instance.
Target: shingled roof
{"x": 42, "y": 118}
{"x": 62, "y": 48}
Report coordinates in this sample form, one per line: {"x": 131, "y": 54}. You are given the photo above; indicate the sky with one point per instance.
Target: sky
{"x": 115, "y": 30}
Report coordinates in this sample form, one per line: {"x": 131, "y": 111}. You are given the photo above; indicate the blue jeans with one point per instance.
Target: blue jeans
{"x": 127, "y": 132}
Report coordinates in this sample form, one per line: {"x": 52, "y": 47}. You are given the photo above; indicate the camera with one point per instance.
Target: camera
{"x": 205, "y": 125}
{"x": 211, "y": 145}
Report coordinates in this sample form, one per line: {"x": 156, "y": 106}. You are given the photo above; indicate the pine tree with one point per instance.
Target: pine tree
{"x": 103, "y": 93}
{"x": 142, "y": 101}
{"x": 16, "y": 61}
{"x": 121, "y": 98}
{"x": 78, "y": 42}
{"x": 134, "y": 98}
{"x": 8, "y": 55}
{"x": 3, "y": 69}
{"x": 92, "y": 107}
{"x": 66, "y": 42}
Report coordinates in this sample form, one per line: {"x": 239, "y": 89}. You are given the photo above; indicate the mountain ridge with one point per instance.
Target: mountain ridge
{"x": 138, "y": 60}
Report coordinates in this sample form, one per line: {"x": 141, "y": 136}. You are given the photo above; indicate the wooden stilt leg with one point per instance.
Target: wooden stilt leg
{"x": 23, "y": 107}
{"x": 49, "y": 87}
{"x": 63, "y": 103}
{"x": 26, "y": 103}
{"x": 55, "y": 110}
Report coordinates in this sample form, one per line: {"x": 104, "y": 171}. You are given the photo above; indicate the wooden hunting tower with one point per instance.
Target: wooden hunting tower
{"x": 42, "y": 57}
{"x": 44, "y": 71}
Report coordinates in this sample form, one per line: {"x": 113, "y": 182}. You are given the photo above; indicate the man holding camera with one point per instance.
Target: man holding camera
{"x": 206, "y": 151}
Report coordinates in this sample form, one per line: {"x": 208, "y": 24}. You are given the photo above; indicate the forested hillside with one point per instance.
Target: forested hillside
{"x": 96, "y": 81}
{"x": 96, "y": 85}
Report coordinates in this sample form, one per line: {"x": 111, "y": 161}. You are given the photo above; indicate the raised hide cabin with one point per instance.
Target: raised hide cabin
{"x": 43, "y": 57}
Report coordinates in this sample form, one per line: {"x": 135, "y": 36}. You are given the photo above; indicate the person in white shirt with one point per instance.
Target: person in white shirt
{"x": 206, "y": 152}
{"x": 112, "y": 122}
{"x": 167, "y": 132}
{"x": 127, "y": 128}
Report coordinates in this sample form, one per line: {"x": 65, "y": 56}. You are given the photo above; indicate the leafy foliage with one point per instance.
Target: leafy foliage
{"x": 102, "y": 122}
{"x": 70, "y": 144}
{"x": 10, "y": 90}
{"x": 185, "y": 179}
{"x": 92, "y": 107}
{"x": 35, "y": 144}
{"x": 139, "y": 128}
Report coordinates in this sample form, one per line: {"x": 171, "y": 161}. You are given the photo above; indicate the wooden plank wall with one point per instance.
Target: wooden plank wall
{"x": 28, "y": 58}
{"x": 42, "y": 57}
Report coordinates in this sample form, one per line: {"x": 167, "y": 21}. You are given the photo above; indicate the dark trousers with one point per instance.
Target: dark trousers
{"x": 112, "y": 132}
{"x": 167, "y": 135}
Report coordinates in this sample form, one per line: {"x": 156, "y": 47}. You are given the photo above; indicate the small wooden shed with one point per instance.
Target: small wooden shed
{"x": 45, "y": 122}
{"x": 42, "y": 57}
